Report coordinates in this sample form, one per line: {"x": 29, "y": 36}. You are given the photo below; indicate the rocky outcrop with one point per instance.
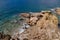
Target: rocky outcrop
{"x": 32, "y": 26}
{"x": 43, "y": 26}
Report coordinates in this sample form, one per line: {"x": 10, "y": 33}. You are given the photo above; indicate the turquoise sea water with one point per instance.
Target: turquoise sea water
{"x": 12, "y": 7}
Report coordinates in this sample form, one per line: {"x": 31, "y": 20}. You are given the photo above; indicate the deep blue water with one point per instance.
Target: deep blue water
{"x": 11, "y": 7}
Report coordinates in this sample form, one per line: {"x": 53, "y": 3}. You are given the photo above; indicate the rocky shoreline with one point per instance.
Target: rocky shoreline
{"x": 33, "y": 26}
